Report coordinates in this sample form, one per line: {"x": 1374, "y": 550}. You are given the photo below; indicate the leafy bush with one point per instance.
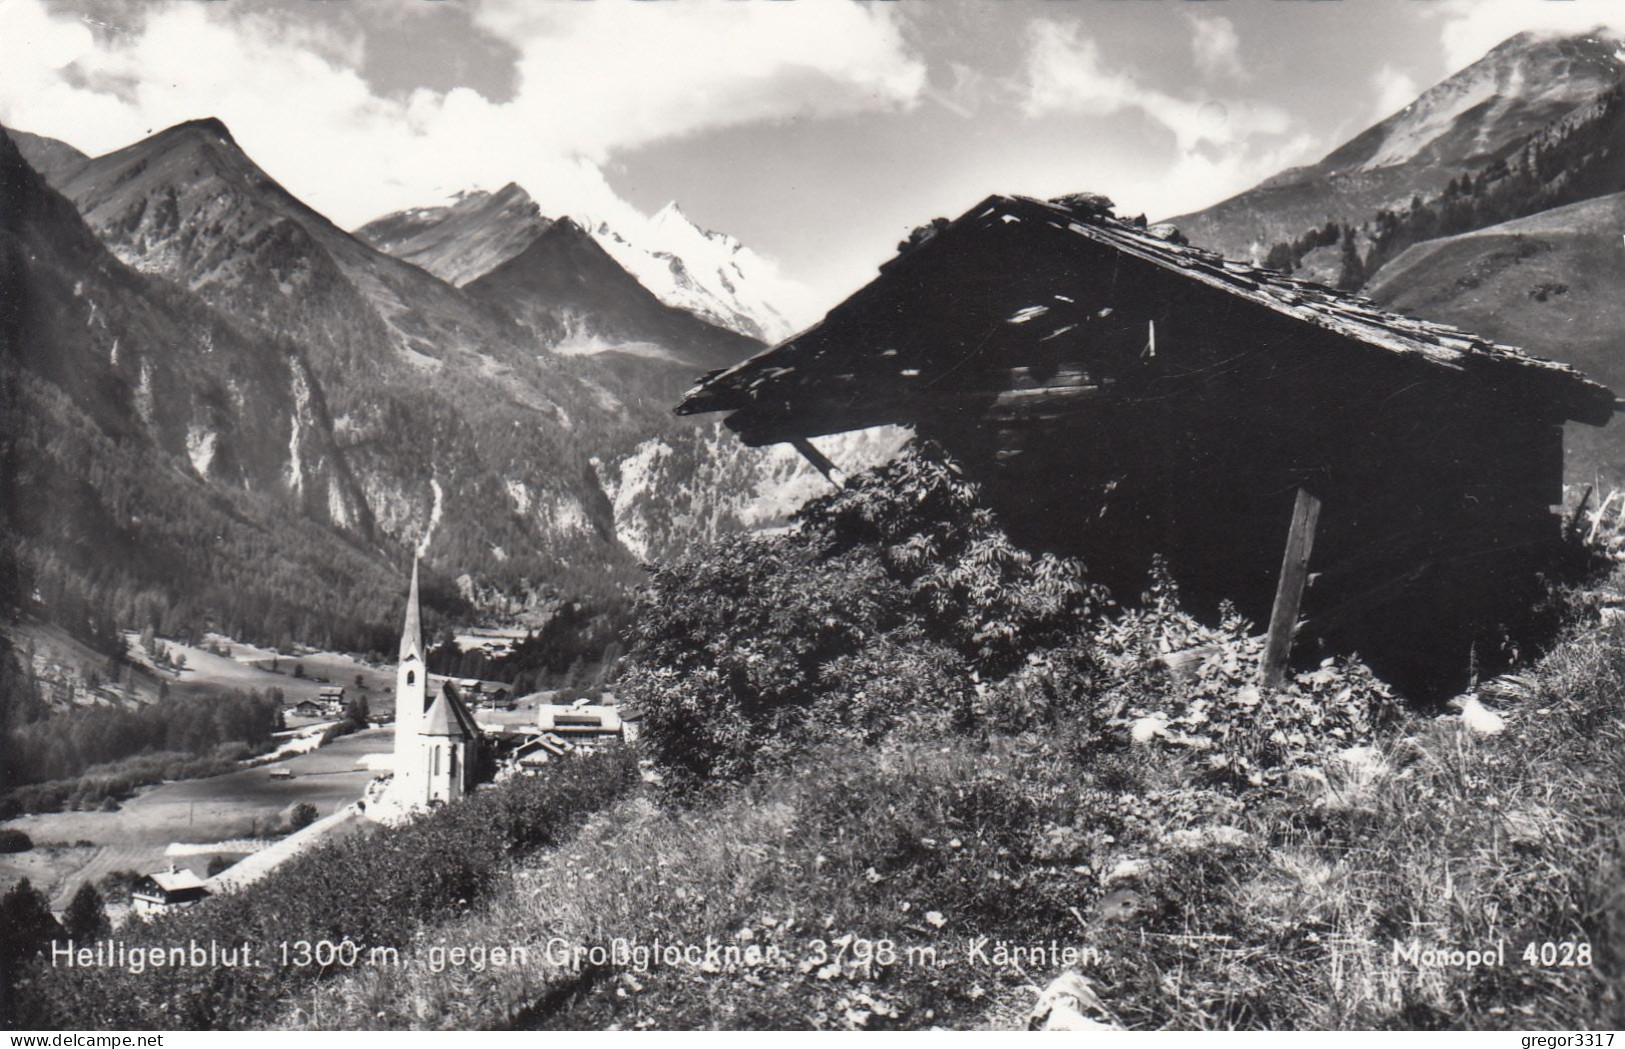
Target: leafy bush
{"x": 894, "y": 600}
{"x": 899, "y": 602}
{"x": 1247, "y": 733}
{"x": 14, "y": 841}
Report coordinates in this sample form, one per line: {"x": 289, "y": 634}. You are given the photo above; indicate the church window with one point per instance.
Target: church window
{"x": 411, "y": 677}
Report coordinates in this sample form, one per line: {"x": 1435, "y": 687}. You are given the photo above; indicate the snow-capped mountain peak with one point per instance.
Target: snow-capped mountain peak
{"x": 709, "y": 274}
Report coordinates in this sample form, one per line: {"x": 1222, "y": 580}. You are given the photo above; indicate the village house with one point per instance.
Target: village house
{"x": 167, "y": 890}
{"x": 562, "y": 729}
{"x": 306, "y": 708}
{"x": 1121, "y": 395}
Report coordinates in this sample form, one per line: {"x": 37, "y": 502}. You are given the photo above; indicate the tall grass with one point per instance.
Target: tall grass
{"x": 1288, "y": 918}
{"x": 1211, "y": 904}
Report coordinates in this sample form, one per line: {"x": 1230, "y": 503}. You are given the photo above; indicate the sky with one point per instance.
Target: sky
{"x": 818, "y": 132}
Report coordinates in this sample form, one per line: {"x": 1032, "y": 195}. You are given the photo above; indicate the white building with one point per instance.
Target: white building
{"x": 435, "y": 741}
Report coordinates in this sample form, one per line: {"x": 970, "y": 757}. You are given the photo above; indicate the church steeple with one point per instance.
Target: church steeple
{"x": 412, "y": 633}
{"x": 411, "y": 682}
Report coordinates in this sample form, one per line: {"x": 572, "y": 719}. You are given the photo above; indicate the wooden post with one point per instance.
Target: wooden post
{"x": 1300, "y": 540}
{"x": 831, "y": 472}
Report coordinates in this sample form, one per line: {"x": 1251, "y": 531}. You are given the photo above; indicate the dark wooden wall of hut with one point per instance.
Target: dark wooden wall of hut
{"x": 1436, "y": 486}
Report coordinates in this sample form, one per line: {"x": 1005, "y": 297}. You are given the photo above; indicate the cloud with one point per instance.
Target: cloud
{"x": 1066, "y": 74}
{"x": 1215, "y": 47}
{"x": 594, "y": 80}
{"x": 1391, "y": 90}
{"x": 1472, "y": 27}
{"x": 596, "y": 77}
{"x": 964, "y": 98}
{"x": 1223, "y": 146}
{"x": 1198, "y": 179}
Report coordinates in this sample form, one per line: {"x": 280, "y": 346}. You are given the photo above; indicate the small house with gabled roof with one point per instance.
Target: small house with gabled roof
{"x": 167, "y": 890}
{"x": 1121, "y": 394}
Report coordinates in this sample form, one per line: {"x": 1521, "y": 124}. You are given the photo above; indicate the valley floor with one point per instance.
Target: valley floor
{"x": 80, "y": 845}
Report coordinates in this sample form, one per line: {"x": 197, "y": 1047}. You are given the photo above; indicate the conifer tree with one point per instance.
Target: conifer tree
{"x": 86, "y": 916}
{"x": 26, "y": 927}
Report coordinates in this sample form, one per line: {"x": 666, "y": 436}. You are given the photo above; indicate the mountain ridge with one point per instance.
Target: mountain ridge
{"x": 564, "y": 278}
{"x": 463, "y": 240}
{"x": 141, "y": 422}
{"x": 1481, "y": 112}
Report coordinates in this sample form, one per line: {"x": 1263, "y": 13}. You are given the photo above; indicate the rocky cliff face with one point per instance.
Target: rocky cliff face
{"x": 509, "y": 431}
{"x": 159, "y": 454}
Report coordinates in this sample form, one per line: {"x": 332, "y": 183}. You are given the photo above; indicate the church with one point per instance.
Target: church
{"x": 437, "y": 743}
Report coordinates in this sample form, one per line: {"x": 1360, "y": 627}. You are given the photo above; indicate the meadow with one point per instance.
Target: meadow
{"x": 243, "y": 804}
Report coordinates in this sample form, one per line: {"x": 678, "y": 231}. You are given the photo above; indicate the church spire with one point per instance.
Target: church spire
{"x": 412, "y": 634}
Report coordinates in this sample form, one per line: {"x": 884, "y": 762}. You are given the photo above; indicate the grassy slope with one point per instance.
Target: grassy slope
{"x": 1550, "y": 283}
{"x": 1456, "y": 840}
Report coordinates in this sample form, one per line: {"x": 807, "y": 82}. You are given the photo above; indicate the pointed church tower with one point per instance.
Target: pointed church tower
{"x": 411, "y": 688}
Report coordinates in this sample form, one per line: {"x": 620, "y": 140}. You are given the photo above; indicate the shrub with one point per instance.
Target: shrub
{"x": 302, "y": 816}
{"x": 14, "y": 841}
{"x": 898, "y": 602}
{"x": 1218, "y": 710}
{"x": 26, "y": 928}
{"x": 896, "y": 599}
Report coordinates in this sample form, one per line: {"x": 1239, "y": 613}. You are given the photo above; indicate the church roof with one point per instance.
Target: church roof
{"x": 448, "y": 716}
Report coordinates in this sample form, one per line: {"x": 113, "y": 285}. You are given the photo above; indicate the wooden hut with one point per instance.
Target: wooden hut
{"x": 1121, "y": 394}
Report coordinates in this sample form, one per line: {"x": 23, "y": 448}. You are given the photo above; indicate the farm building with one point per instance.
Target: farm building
{"x": 1121, "y": 394}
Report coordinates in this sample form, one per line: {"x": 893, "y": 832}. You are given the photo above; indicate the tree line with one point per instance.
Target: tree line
{"x": 59, "y": 746}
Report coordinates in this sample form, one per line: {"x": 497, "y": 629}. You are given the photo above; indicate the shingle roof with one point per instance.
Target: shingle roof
{"x": 801, "y": 361}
